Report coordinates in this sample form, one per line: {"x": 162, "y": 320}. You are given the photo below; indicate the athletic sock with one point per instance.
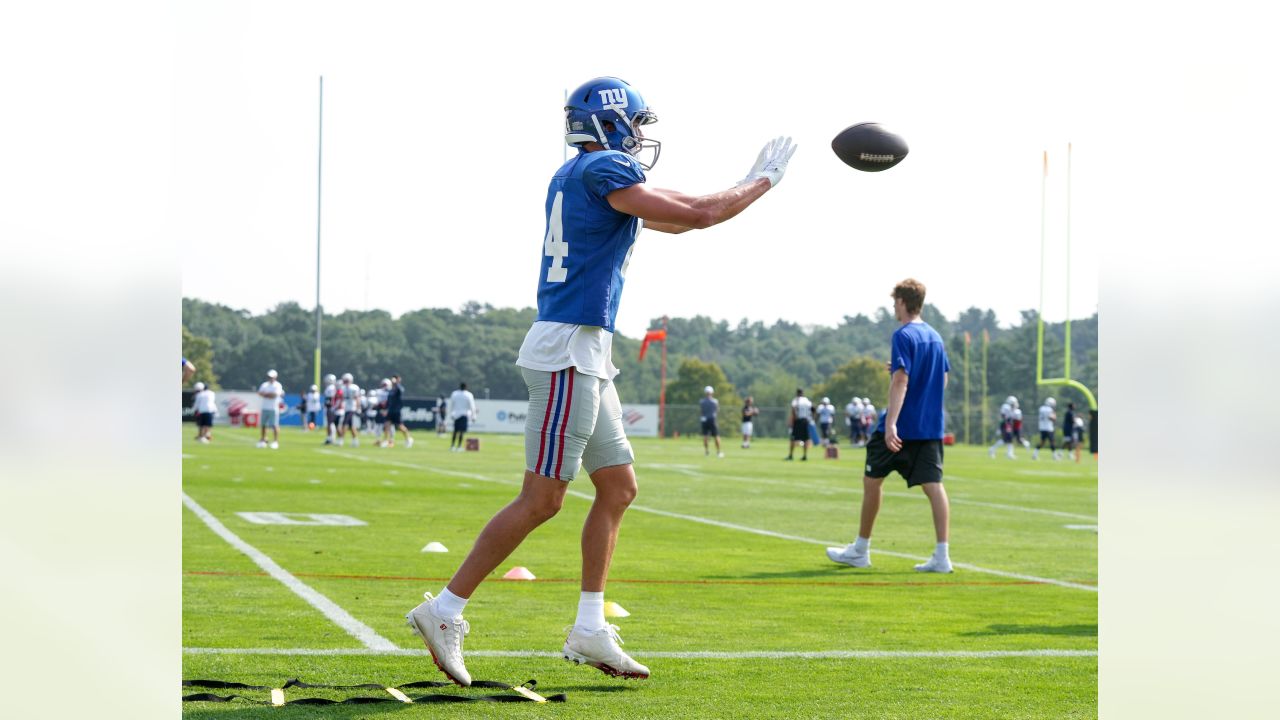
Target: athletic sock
{"x": 591, "y": 611}
{"x": 449, "y": 606}
{"x": 862, "y": 544}
{"x": 940, "y": 551}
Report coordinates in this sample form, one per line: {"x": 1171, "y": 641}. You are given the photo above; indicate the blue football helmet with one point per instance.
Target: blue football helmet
{"x": 610, "y": 100}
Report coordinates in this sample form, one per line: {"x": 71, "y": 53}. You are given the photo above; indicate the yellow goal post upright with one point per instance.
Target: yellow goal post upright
{"x": 1065, "y": 380}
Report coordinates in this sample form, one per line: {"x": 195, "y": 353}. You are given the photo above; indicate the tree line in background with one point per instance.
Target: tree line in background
{"x": 434, "y": 349}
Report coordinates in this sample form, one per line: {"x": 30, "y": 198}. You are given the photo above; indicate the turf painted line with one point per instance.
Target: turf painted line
{"x": 747, "y": 655}
{"x": 888, "y": 493}
{"x": 330, "y": 609}
{"x": 742, "y": 528}
{"x": 831, "y": 543}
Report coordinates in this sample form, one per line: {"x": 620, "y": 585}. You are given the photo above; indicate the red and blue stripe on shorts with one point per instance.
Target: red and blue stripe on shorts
{"x": 554, "y": 423}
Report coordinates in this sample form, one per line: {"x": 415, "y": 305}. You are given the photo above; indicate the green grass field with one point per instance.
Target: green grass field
{"x": 734, "y": 606}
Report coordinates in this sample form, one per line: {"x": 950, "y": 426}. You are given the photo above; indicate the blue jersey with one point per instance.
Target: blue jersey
{"x": 919, "y": 351}
{"x": 588, "y": 244}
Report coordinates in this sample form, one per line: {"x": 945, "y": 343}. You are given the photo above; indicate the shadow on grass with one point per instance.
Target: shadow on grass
{"x": 1063, "y": 630}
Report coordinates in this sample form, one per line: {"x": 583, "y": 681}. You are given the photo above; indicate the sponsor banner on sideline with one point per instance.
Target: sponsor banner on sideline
{"x": 508, "y": 416}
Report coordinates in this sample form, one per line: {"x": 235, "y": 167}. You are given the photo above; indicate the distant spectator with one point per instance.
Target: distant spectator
{"x": 1005, "y": 428}
{"x": 853, "y": 418}
{"x": 311, "y": 406}
{"x": 441, "y": 413}
{"x": 272, "y": 394}
{"x": 709, "y": 411}
{"x": 351, "y": 401}
{"x": 749, "y": 413}
{"x": 798, "y": 421}
{"x": 206, "y": 408}
{"x": 372, "y": 423}
{"x": 869, "y": 419}
{"x": 1047, "y": 427}
{"x": 826, "y": 418}
{"x": 1078, "y": 435}
{"x": 1069, "y": 431}
{"x": 395, "y": 405}
{"x": 332, "y": 408}
{"x": 462, "y": 406}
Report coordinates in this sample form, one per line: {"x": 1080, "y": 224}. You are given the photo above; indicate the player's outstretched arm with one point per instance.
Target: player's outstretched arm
{"x": 675, "y": 212}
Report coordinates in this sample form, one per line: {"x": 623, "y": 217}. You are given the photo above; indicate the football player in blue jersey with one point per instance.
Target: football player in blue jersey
{"x": 596, "y": 204}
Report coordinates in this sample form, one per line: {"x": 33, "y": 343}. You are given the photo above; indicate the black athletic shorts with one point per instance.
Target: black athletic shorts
{"x": 460, "y": 424}
{"x": 1046, "y": 436}
{"x": 347, "y": 418}
{"x": 800, "y": 429}
{"x": 393, "y": 417}
{"x": 204, "y": 419}
{"x": 709, "y": 428}
{"x": 919, "y": 461}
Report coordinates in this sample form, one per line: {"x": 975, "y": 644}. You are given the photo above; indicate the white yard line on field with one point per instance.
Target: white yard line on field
{"x": 731, "y": 526}
{"x": 330, "y": 609}
{"x": 691, "y": 655}
{"x": 888, "y": 493}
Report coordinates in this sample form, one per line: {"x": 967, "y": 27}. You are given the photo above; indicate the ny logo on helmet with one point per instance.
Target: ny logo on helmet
{"x": 613, "y": 98}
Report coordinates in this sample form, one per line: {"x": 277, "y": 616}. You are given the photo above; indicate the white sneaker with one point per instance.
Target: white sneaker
{"x": 719, "y": 454}
{"x": 848, "y": 556}
{"x": 408, "y": 442}
{"x": 274, "y": 445}
{"x": 355, "y": 442}
{"x": 443, "y": 638}
{"x": 935, "y": 565}
{"x": 599, "y": 649}
{"x": 1010, "y": 455}
{"x": 262, "y": 443}
{"x": 204, "y": 440}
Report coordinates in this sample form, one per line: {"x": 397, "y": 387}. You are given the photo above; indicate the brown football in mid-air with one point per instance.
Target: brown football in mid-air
{"x": 869, "y": 147}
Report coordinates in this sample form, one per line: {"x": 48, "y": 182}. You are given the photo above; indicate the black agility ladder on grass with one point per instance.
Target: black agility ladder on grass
{"x": 525, "y": 693}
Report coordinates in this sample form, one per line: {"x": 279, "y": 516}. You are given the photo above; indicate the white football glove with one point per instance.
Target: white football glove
{"x": 771, "y": 163}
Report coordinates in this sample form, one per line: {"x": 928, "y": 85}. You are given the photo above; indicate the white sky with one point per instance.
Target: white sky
{"x": 442, "y": 125}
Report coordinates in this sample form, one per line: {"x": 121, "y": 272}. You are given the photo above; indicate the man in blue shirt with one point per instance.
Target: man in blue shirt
{"x": 908, "y": 438}
{"x": 596, "y": 204}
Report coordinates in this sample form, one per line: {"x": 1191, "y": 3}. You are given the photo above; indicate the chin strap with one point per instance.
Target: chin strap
{"x": 524, "y": 693}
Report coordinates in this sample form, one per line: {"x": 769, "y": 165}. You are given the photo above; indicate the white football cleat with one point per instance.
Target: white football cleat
{"x": 262, "y": 443}
{"x": 599, "y": 649}
{"x": 848, "y": 556}
{"x": 719, "y": 454}
{"x": 408, "y": 442}
{"x": 935, "y": 565}
{"x": 274, "y": 445}
{"x": 443, "y": 638}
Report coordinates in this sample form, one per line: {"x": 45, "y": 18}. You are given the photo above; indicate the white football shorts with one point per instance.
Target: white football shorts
{"x": 573, "y": 419}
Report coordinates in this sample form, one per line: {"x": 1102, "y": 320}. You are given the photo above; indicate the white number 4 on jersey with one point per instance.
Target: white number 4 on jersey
{"x": 555, "y": 246}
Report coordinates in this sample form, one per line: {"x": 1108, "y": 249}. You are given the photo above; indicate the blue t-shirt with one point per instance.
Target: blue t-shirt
{"x": 588, "y": 244}
{"x": 919, "y": 351}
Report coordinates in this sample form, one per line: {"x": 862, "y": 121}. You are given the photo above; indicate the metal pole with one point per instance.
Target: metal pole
{"x": 986, "y": 340}
{"x": 319, "y": 168}
{"x": 662, "y": 384}
{"x": 1066, "y": 372}
{"x": 968, "y": 439}
{"x": 1040, "y": 321}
